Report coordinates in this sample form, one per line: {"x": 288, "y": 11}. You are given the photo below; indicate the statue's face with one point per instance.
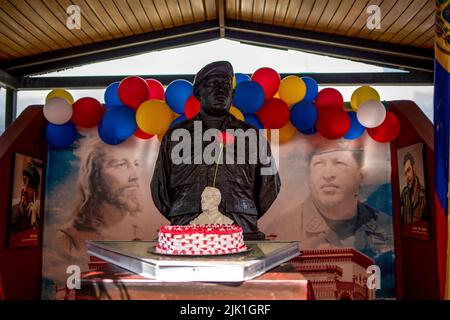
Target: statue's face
{"x": 216, "y": 95}
{"x": 210, "y": 199}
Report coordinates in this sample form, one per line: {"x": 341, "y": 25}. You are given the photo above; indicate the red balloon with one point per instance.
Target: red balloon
{"x": 155, "y": 89}
{"x": 191, "y": 107}
{"x": 142, "y": 135}
{"x": 274, "y": 114}
{"x": 133, "y": 91}
{"x": 87, "y": 112}
{"x": 332, "y": 123}
{"x": 269, "y": 80}
{"x": 387, "y": 131}
{"x": 329, "y": 97}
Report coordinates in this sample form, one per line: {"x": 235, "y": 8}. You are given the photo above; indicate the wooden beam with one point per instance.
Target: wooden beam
{"x": 220, "y": 6}
{"x": 7, "y": 81}
{"x": 112, "y": 49}
{"x": 324, "y": 79}
{"x": 362, "y": 50}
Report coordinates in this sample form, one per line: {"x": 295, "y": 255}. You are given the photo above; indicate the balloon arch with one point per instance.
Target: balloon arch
{"x": 141, "y": 107}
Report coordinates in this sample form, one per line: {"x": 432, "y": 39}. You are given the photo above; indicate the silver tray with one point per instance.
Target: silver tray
{"x": 135, "y": 256}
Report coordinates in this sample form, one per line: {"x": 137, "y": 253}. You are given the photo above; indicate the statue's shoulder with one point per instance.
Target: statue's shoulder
{"x": 239, "y": 124}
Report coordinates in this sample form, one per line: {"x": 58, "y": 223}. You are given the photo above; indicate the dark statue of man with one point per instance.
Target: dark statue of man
{"x": 247, "y": 191}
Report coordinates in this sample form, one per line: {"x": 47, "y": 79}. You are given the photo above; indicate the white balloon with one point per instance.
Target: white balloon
{"x": 371, "y": 113}
{"x": 58, "y": 110}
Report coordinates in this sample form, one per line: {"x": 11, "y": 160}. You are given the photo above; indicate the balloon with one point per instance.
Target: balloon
{"x": 387, "y": 131}
{"x": 177, "y": 120}
{"x": 309, "y": 132}
{"x": 105, "y": 137}
{"x": 238, "y": 78}
{"x": 112, "y": 95}
{"x": 303, "y": 115}
{"x": 61, "y": 136}
{"x": 142, "y": 135}
{"x": 133, "y": 91}
{"x": 154, "y": 116}
{"x": 57, "y": 110}
{"x": 269, "y": 80}
{"x": 356, "y": 129}
{"x": 248, "y": 96}
{"x": 237, "y": 113}
{"x": 87, "y": 112}
{"x": 160, "y": 137}
{"x": 253, "y": 120}
{"x": 312, "y": 89}
{"x": 292, "y": 89}
{"x": 329, "y": 97}
{"x": 361, "y": 95}
{"x": 119, "y": 123}
{"x": 333, "y": 123}
{"x": 155, "y": 89}
{"x": 274, "y": 113}
{"x": 371, "y": 113}
{"x": 286, "y": 133}
{"x": 192, "y": 107}
{"x": 60, "y": 93}
{"x": 177, "y": 93}
{"x": 174, "y": 115}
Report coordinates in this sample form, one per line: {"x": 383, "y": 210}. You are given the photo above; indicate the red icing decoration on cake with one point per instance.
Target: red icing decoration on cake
{"x": 200, "y": 240}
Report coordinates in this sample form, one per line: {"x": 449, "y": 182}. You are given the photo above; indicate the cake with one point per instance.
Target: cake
{"x": 200, "y": 239}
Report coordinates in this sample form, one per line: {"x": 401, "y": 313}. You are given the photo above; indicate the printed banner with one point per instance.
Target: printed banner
{"x": 334, "y": 194}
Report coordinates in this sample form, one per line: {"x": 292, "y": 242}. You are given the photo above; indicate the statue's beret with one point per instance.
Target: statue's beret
{"x": 215, "y": 68}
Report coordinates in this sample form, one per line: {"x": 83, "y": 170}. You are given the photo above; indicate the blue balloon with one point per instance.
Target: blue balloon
{"x": 253, "y": 120}
{"x": 356, "y": 129}
{"x": 303, "y": 115}
{"x": 177, "y": 120}
{"x": 105, "y": 137}
{"x": 112, "y": 95}
{"x": 309, "y": 132}
{"x": 241, "y": 77}
{"x": 118, "y": 124}
{"x": 177, "y": 92}
{"x": 248, "y": 96}
{"x": 312, "y": 89}
{"x": 61, "y": 136}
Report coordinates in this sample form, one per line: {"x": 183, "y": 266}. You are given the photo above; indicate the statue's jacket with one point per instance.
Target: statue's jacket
{"x": 247, "y": 189}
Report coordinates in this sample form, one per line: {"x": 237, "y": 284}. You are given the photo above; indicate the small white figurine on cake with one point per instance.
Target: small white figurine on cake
{"x": 211, "y": 198}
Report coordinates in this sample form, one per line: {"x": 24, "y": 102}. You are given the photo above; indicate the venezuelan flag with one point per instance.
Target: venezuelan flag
{"x": 441, "y": 134}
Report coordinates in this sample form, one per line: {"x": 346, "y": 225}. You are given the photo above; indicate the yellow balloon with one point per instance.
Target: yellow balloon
{"x": 234, "y": 82}
{"x": 292, "y": 89}
{"x": 175, "y": 115}
{"x": 277, "y": 95}
{"x": 60, "y": 93}
{"x": 361, "y": 95}
{"x": 237, "y": 113}
{"x": 286, "y": 133}
{"x": 154, "y": 116}
{"x": 160, "y": 136}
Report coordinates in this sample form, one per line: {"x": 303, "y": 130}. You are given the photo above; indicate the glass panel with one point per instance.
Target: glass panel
{"x": 244, "y": 58}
